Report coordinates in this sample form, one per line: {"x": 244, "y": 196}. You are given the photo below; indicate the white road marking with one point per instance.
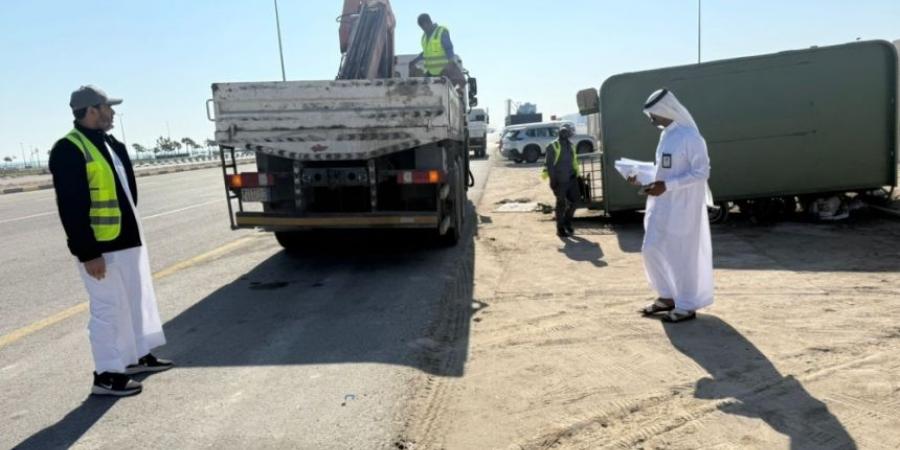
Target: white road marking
{"x": 28, "y": 217}
{"x": 183, "y": 209}
{"x": 144, "y": 218}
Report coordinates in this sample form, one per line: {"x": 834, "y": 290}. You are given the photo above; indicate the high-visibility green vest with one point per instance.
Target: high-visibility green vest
{"x": 106, "y": 217}
{"x": 433, "y": 52}
{"x": 557, "y": 152}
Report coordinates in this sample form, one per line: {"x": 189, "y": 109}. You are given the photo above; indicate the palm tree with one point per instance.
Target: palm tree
{"x": 189, "y": 144}
{"x": 209, "y": 145}
{"x": 138, "y": 148}
{"x": 165, "y": 144}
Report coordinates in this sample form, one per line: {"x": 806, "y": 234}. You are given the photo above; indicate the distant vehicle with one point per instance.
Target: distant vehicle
{"x": 478, "y": 130}
{"x": 529, "y": 142}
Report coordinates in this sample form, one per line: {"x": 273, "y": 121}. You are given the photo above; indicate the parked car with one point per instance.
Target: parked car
{"x": 529, "y": 142}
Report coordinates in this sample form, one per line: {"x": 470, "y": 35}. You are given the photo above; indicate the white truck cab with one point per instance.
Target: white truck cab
{"x": 478, "y": 129}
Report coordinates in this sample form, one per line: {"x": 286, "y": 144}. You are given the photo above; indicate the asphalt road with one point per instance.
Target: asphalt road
{"x": 273, "y": 350}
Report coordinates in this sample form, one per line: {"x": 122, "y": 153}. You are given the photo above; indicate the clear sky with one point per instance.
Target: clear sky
{"x": 161, "y": 56}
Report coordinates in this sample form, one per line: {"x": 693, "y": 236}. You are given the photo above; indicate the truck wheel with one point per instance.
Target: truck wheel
{"x": 584, "y": 147}
{"x": 457, "y": 218}
{"x": 292, "y": 241}
{"x": 532, "y": 153}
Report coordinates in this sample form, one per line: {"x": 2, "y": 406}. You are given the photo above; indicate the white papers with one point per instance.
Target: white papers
{"x": 645, "y": 172}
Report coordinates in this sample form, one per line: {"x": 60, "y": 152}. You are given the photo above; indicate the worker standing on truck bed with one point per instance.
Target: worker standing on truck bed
{"x": 561, "y": 167}
{"x": 677, "y": 248}
{"x": 437, "y": 51}
{"x": 96, "y": 194}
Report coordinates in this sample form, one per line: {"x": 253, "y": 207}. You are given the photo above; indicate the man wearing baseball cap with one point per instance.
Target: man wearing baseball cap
{"x": 96, "y": 194}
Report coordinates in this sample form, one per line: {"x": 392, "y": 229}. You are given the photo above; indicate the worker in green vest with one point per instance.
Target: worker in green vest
{"x": 96, "y": 194}
{"x": 437, "y": 51}
{"x": 561, "y": 168}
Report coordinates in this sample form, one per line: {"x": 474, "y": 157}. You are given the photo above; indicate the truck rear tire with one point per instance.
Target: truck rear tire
{"x": 457, "y": 218}
{"x": 292, "y": 241}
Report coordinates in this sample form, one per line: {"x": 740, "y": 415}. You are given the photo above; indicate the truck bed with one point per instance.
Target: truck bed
{"x": 336, "y": 120}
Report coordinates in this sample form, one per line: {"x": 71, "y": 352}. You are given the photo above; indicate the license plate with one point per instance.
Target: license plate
{"x": 256, "y": 194}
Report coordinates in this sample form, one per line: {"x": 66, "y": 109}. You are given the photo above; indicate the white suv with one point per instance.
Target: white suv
{"x": 528, "y": 142}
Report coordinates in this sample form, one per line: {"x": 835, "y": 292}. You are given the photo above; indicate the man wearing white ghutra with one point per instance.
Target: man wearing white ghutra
{"x": 677, "y": 248}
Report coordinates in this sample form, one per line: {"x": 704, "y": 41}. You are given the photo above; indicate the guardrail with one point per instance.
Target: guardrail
{"x": 159, "y": 167}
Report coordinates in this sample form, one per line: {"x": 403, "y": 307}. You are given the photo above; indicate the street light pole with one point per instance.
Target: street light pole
{"x": 24, "y": 161}
{"x": 280, "y": 51}
{"x": 699, "y": 9}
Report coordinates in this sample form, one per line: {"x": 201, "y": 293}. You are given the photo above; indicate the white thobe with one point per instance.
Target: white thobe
{"x": 677, "y": 249}
{"x": 124, "y": 323}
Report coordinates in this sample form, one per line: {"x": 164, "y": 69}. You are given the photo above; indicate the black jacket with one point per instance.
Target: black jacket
{"x": 73, "y": 198}
{"x": 563, "y": 171}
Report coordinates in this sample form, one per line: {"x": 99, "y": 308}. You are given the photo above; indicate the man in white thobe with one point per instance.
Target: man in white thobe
{"x": 677, "y": 249}
{"x": 96, "y": 194}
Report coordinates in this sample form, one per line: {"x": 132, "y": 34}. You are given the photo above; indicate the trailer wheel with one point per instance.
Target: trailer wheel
{"x": 720, "y": 213}
{"x": 790, "y": 206}
{"x": 584, "y": 147}
{"x": 766, "y": 211}
{"x": 532, "y": 153}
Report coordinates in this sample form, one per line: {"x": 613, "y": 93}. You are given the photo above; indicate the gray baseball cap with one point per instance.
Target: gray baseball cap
{"x": 91, "y": 96}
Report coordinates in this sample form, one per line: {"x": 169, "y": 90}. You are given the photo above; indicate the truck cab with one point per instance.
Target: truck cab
{"x": 478, "y": 121}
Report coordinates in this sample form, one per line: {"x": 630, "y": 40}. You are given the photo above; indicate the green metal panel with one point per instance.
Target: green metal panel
{"x": 790, "y": 123}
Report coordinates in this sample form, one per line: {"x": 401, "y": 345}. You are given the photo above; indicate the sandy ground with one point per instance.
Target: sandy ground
{"x": 799, "y": 351}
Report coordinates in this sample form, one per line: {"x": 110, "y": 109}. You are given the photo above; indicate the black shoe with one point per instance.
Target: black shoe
{"x": 570, "y": 230}
{"x": 116, "y": 384}
{"x": 561, "y": 232}
{"x": 149, "y": 363}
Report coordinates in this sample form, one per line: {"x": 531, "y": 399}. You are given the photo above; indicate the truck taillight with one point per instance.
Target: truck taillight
{"x": 420, "y": 177}
{"x": 249, "y": 179}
